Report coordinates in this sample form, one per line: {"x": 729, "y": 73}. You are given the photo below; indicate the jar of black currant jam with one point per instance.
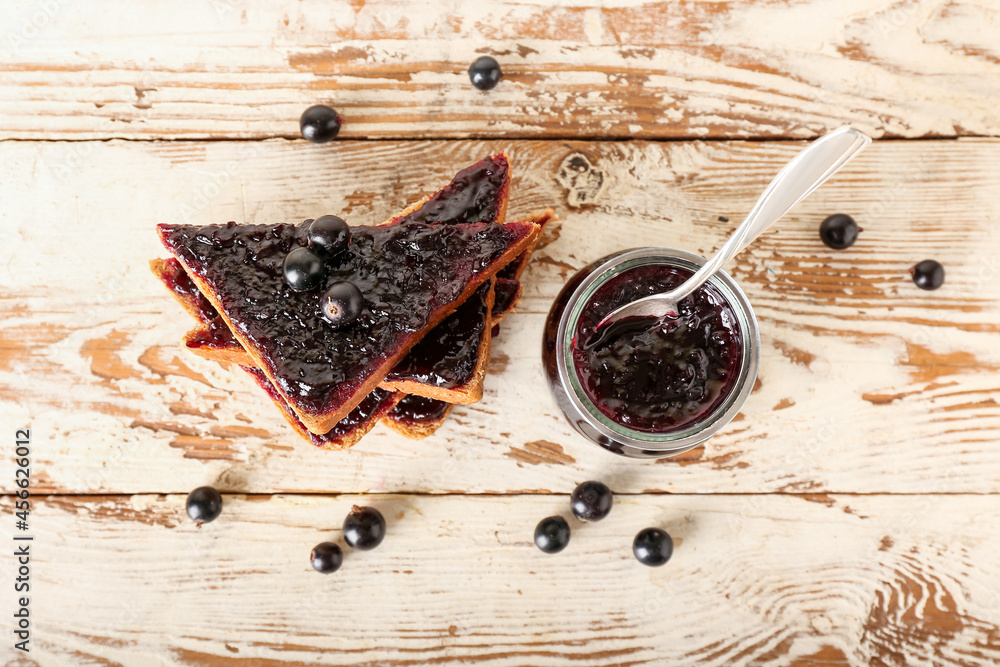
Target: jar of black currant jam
{"x": 650, "y": 388}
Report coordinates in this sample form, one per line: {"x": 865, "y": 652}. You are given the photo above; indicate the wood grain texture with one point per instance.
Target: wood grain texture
{"x": 867, "y": 384}
{"x": 573, "y": 68}
{"x": 880, "y": 581}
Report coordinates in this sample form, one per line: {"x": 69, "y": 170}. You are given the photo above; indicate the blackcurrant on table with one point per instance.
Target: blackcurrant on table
{"x": 851, "y": 513}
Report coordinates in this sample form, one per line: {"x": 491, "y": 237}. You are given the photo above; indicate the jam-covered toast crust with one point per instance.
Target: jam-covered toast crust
{"x": 417, "y": 417}
{"x": 509, "y": 287}
{"x": 446, "y": 367}
{"x": 173, "y": 275}
{"x": 349, "y": 430}
{"x": 507, "y": 294}
{"x": 516, "y": 268}
{"x": 478, "y": 193}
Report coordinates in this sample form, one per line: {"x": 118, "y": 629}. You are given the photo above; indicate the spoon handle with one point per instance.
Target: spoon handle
{"x": 807, "y": 171}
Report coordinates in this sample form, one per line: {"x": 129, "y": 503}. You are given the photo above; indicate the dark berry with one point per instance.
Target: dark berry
{"x": 485, "y": 73}
{"x": 552, "y": 534}
{"x": 326, "y": 557}
{"x": 839, "y": 231}
{"x": 319, "y": 124}
{"x": 653, "y": 547}
{"x": 204, "y": 504}
{"x": 342, "y": 303}
{"x": 303, "y": 270}
{"x": 328, "y": 236}
{"x": 928, "y": 274}
{"x": 591, "y": 501}
{"x": 364, "y": 528}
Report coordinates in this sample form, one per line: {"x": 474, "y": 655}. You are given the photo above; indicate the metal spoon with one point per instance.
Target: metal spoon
{"x": 796, "y": 180}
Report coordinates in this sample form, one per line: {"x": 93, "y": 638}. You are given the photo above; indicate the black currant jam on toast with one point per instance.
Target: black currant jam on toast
{"x": 411, "y": 277}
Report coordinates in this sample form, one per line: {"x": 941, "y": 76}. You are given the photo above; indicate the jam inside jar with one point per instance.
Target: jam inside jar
{"x": 646, "y": 389}
{"x": 657, "y": 375}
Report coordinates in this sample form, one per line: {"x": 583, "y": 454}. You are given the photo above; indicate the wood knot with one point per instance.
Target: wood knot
{"x": 583, "y": 181}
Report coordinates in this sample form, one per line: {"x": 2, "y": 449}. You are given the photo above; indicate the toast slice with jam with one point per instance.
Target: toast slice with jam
{"x": 478, "y": 193}
{"x": 411, "y": 276}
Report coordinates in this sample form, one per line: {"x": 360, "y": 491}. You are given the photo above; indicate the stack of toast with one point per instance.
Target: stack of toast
{"x": 436, "y": 280}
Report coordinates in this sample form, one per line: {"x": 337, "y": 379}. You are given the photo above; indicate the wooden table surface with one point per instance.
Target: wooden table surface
{"x": 849, "y": 516}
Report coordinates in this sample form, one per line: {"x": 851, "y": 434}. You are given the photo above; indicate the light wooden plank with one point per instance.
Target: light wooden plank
{"x": 574, "y": 68}
{"x": 772, "y": 580}
{"x": 867, "y": 384}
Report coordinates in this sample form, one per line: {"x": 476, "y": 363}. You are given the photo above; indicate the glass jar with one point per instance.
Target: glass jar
{"x": 580, "y": 410}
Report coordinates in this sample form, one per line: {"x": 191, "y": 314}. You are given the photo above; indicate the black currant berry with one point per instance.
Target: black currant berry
{"x": 328, "y": 236}
{"x": 342, "y": 303}
{"x": 204, "y": 504}
{"x": 552, "y": 534}
{"x": 652, "y": 547}
{"x": 928, "y": 274}
{"x": 304, "y": 270}
{"x": 485, "y": 73}
{"x": 591, "y": 501}
{"x": 319, "y": 124}
{"x": 326, "y": 557}
{"x": 364, "y": 528}
{"x": 839, "y": 231}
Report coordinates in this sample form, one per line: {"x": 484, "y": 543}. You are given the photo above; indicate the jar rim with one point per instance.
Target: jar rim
{"x": 668, "y": 442}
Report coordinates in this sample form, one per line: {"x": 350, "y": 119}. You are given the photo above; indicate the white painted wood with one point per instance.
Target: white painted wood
{"x": 755, "y": 580}
{"x": 867, "y": 384}
{"x": 574, "y": 68}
